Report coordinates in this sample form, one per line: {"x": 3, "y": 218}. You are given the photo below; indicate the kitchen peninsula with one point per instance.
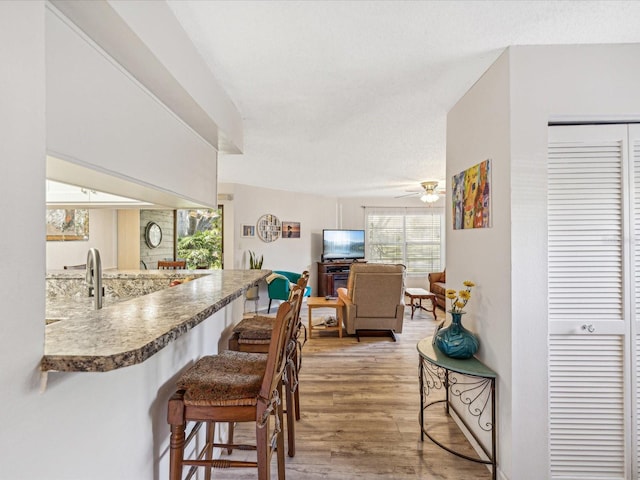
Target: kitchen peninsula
{"x": 128, "y": 332}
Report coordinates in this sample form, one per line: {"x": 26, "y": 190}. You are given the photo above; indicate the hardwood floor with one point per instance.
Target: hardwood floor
{"x": 360, "y": 404}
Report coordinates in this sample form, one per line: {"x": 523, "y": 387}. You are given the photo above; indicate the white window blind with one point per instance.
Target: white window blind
{"x": 411, "y": 236}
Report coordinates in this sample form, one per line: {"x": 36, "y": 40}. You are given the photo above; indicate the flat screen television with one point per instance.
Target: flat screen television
{"x": 342, "y": 244}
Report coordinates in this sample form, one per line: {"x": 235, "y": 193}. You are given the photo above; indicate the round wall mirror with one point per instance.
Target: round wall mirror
{"x": 152, "y": 235}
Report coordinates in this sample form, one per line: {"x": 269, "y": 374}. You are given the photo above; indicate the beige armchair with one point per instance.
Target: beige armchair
{"x": 374, "y": 298}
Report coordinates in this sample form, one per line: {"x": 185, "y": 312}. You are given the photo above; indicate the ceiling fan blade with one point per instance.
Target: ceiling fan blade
{"x": 407, "y": 195}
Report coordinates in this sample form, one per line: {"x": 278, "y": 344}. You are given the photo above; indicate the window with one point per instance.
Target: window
{"x": 411, "y": 236}
{"x": 199, "y": 235}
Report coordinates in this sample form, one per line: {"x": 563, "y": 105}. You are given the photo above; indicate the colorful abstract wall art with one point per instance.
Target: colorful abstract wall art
{"x": 471, "y": 197}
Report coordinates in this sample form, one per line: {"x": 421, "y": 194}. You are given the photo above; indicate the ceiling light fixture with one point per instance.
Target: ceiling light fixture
{"x": 429, "y": 195}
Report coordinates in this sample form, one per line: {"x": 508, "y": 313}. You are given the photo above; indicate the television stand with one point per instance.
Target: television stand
{"x": 333, "y": 274}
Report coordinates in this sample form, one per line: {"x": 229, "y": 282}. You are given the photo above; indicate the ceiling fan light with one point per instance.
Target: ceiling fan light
{"x": 430, "y": 197}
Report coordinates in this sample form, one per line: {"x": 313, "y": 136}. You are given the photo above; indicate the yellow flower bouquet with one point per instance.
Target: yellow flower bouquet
{"x": 460, "y": 298}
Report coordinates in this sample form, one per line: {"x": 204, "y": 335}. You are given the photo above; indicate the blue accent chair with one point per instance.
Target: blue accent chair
{"x": 278, "y": 288}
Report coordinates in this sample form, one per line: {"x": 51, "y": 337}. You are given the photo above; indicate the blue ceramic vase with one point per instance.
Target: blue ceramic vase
{"x": 455, "y": 341}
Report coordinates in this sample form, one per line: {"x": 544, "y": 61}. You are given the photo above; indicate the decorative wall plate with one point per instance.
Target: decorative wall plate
{"x": 152, "y": 235}
{"x": 268, "y": 228}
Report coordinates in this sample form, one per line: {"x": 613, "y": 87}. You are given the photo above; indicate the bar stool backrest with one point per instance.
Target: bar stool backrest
{"x": 276, "y": 358}
{"x": 171, "y": 265}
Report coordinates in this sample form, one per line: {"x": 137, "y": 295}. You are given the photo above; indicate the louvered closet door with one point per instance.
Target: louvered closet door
{"x": 588, "y": 319}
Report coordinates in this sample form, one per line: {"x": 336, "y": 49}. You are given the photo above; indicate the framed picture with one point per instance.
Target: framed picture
{"x": 290, "y": 229}
{"x": 248, "y": 231}
{"x": 67, "y": 224}
{"x": 471, "y": 197}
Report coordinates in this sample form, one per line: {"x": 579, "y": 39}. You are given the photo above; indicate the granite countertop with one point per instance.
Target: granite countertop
{"x": 129, "y": 274}
{"x": 67, "y": 293}
{"x": 128, "y": 332}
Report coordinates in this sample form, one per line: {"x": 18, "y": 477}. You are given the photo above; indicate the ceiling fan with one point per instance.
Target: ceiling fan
{"x": 428, "y": 194}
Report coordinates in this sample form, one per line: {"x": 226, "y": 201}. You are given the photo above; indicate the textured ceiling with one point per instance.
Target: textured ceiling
{"x": 348, "y": 98}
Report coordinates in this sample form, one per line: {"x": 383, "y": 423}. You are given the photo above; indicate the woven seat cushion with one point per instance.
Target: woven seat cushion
{"x": 253, "y": 341}
{"x": 228, "y": 379}
{"x": 255, "y": 328}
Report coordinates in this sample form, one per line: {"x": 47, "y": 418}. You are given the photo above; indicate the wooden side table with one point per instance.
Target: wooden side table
{"x": 322, "y": 302}
{"x": 420, "y": 294}
{"x": 472, "y": 382}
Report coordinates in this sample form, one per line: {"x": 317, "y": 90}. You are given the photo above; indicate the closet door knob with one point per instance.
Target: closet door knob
{"x": 589, "y": 328}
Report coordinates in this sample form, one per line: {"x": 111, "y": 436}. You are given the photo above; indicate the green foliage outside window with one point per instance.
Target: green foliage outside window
{"x": 200, "y": 238}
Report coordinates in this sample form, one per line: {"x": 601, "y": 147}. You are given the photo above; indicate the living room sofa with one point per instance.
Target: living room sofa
{"x": 437, "y": 286}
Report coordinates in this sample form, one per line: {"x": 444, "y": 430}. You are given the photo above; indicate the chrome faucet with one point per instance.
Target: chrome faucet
{"x": 94, "y": 276}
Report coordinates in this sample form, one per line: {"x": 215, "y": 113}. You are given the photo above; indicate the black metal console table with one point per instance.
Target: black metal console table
{"x": 472, "y": 382}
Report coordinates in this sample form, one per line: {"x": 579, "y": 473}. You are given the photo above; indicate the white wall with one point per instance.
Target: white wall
{"x": 525, "y": 89}
{"x": 99, "y": 117}
{"x": 112, "y": 425}
{"x": 482, "y": 255}
{"x": 22, "y": 245}
{"x": 147, "y": 39}
{"x": 103, "y": 235}
{"x": 586, "y": 82}
{"x": 249, "y": 203}
{"x": 350, "y": 210}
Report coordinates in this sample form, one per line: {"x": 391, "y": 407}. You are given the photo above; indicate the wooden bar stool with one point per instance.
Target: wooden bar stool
{"x": 253, "y": 334}
{"x": 233, "y": 387}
